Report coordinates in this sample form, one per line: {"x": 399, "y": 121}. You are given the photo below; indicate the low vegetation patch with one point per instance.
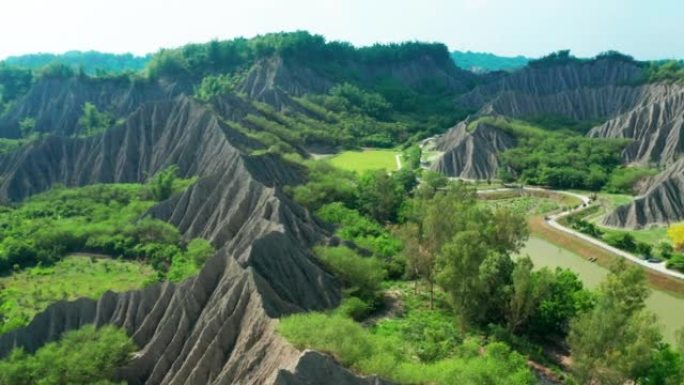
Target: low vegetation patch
{"x": 473, "y": 362}
{"x": 366, "y": 160}
{"x": 87, "y": 356}
{"x": 28, "y": 292}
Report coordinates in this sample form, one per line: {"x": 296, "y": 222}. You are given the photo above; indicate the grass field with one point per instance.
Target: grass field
{"x": 366, "y": 160}
{"x": 25, "y": 293}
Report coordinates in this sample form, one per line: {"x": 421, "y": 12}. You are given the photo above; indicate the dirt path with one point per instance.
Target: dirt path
{"x": 398, "y": 158}
{"x": 576, "y": 236}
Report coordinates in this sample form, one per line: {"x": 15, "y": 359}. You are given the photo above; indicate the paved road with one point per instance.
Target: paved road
{"x": 552, "y": 220}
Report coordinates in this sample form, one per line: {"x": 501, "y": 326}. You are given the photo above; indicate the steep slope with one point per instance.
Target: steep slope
{"x": 656, "y": 125}
{"x": 216, "y": 328}
{"x": 56, "y": 104}
{"x": 582, "y": 91}
{"x": 472, "y": 154}
{"x": 272, "y": 80}
{"x": 662, "y": 203}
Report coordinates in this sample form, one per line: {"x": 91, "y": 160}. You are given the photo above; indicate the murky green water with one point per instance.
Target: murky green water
{"x": 669, "y": 309}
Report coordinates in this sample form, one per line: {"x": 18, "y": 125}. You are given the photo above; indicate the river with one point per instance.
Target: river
{"x": 668, "y": 308}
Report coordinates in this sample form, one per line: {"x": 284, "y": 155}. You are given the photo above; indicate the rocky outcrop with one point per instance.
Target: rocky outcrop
{"x": 218, "y": 327}
{"x": 582, "y": 91}
{"x": 655, "y": 124}
{"x": 313, "y": 366}
{"x": 472, "y": 154}
{"x": 662, "y": 203}
{"x": 56, "y": 104}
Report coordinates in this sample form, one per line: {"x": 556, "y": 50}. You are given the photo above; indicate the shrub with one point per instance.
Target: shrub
{"x": 362, "y": 276}
{"x": 80, "y": 357}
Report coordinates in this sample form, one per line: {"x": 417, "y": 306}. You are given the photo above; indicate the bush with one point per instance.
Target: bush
{"x": 80, "y": 357}
{"x": 387, "y": 356}
{"x": 623, "y": 179}
{"x": 624, "y": 241}
{"x": 355, "y": 308}
{"x": 362, "y": 276}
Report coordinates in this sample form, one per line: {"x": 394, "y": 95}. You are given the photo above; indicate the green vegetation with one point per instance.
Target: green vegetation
{"x": 83, "y": 357}
{"x": 623, "y": 180}
{"x": 90, "y": 62}
{"x": 387, "y": 356}
{"x": 93, "y": 122}
{"x": 361, "y": 276}
{"x": 563, "y": 162}
{"x": 666, "y": 71}
{"x": 14, "y": 82}
{"x": 363, "y": 231}
{"x": 10, "y": 145}
{"x": 365, "y": 160}
{"x": 28, "y": 292}
{"x": 486, "y": 62}
{"x": 100, "y": 218}
{"x": 618, "y": 341}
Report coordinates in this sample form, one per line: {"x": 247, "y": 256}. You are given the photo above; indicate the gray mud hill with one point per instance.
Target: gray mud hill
{"x": 656, "y": 126}
{"x": 472, "y": 154}
{"x": 661, "y": 203}
{"x": 597, "y": 89}
{"x": 219, "y": 327}
{"x": 56, "y": 104}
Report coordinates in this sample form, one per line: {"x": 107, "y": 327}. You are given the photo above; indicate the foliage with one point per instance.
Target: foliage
{"x": 623, "y": 180}
{"x": 613, "y": 343}
{"x": 99, "y": 218}
{"x": 665, "y": 71}
{"x": 676, "y": 234}
{"x": 162, "y": 183}
{"x": 411, "y": 157}
{"x": 14, "y": 82}
{"x": 563, "y": 162}
{"x": 364, "y": 232}
{"x": 93, "y": 122}
{"x": 379, "y": 195}
{"x": 361, "y": 275}
{"x": 353, "y": 346}
{"x": 561, "y": 57}
{"x": 26, "y": 293}
{"x": 91, "y": 62}
{"x": 564, "y": 299}
{"x": 10, "y": 145}
{"x": 325, "y": 184}
{"x": 486, "y": 62}
{"x": 212, "y": 85}
{"x": 82, "y": 357}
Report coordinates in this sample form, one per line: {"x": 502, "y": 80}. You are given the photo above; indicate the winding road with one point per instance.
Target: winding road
{"x": 552, "y": 220}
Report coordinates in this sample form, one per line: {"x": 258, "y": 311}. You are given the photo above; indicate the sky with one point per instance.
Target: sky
{"x": 645, "y": 29}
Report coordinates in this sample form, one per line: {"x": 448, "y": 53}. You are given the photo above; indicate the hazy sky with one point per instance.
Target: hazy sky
{"x": 646, "y": 29}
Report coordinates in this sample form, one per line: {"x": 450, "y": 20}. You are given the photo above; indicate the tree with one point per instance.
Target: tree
{"x": 564, "y": 299}
{"x": 379, "y": 195}
{"x": 528, "y": 291}
{"x": 93, "y": 121}
{"x": 614, "y": 343}
{"x": 161, "y": 185}
{"x": 676, "y": 234}
{"x": 459, "y": 266}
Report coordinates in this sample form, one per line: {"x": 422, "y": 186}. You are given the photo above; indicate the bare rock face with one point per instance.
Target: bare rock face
{"x": 313, "y": 366}
{"x": 474, "y": 154}
{"x": 662, "y": 203}
{"x": 655, "y": 124}
{"x": 582, "y": 91}
{"x": 57, "y": 103}
{"x": 218, "y": 327}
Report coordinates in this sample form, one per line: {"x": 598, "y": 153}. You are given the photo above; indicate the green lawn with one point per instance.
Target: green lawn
{"x": 652, "y": 236}
{"x": 25, "y": 293}
{"x": 365, "y": 160}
